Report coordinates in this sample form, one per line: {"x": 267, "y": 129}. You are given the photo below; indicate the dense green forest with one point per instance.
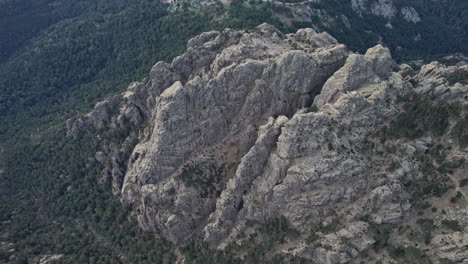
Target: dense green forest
{"x": 58, "y": 58}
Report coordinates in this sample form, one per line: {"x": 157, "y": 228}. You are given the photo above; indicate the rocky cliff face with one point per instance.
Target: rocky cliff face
{"x": 385, "y": 8}
{"x": 248, "y": 127}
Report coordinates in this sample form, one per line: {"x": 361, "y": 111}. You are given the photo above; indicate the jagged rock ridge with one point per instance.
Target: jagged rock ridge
{"x": 386, "y": 9}
{"x": 227, "y": 137}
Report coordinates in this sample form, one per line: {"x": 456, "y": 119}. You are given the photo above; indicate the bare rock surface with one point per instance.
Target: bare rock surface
{"x": 433, "y": 79}
{"x": 209, "y": 102}
{"x": 246, "y": 127}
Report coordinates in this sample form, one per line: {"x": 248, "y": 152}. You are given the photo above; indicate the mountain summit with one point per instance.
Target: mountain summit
{"x": 292, "y": 141}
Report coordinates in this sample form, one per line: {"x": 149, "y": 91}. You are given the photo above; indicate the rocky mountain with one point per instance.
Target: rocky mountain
{"x": 294, "y": 142}
{"x": 247, "y": 148}
{"x": 385, "y": 8}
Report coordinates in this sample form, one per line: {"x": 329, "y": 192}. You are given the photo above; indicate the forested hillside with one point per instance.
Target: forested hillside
{"x": 58, "y": 58}
{"x": 442, "y": 30}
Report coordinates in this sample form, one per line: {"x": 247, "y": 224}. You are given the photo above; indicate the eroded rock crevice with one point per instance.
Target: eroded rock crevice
{"x": 246, "y": 127}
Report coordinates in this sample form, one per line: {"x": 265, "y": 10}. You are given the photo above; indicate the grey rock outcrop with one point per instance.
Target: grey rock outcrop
{"x": 246, "y": 127}
{"x": 385, "y": 8}
{"x": 360, "y": 71}
{"x": 433, "y": 79}
{"x": 410, "y": 14}
{"x": 313, "y": 152}
{"x": 452, "y": 246}
{"x": 226, "y": 91}
{"x": 251, "y": 165}
{"x": 339, "y": 247}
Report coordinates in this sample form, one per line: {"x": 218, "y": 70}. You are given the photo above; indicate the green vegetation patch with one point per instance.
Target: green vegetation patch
{"x": 198, "y": 252}
{"x": 410, "y": 255}
{"x": 460, "y": 132}
{"x": 312, "y": 238}
{"x": 57, "y": 205}
{"x": 331, "y": 227}
{"x": 381, "y": 235}
{"x": 463, "y": 183}
{"x": 426, "y": 226}
{"x": 257, "y": 247}
{"x": 421, "y": 115}
{"x": 459, "y": 77}
{"x": 456, "y": 198}
{"x": 452, "y": 224}
{"x": 446, "y": 261}
{"x": 205, "y": 179}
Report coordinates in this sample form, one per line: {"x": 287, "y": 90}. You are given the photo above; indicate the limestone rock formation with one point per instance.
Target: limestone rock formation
{"x": 246, "y": 127}
{"x": 410, "y": 14}
{"x": 219, "y": 106}
{"x": 433, "y": 79}
{"x": 387, "y": 9}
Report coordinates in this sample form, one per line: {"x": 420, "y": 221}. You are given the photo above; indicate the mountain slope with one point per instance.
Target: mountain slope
{"x": 411, "y": 29}
{"x": 56, "y": 190}
{"x": 225, "y": 144}
{"x": 76, "y": 61}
